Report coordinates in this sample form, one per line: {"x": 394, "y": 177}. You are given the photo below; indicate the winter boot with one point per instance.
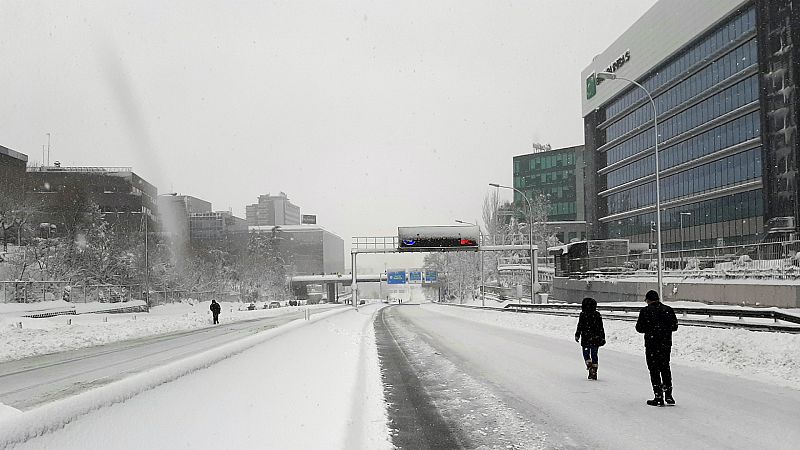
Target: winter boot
{"x": 668, "y": 395}
{"x": 588, "y": 364}
{"x": 593, "y": 372}
{"x": 658, "y": 400}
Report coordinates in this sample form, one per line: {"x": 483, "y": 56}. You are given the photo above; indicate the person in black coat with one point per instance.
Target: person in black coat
{"x": 657, "y": 321}
{"x": 215, "y": 309}
{"x": 590, "y": 333}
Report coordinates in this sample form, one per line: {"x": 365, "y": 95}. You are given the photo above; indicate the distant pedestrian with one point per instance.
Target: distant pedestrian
{"x": 657, "y": 321}
{"x": 590, "y": 334}
{"x": 215, "y": 309}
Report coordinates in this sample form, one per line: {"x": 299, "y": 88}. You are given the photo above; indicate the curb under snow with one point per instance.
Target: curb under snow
{"x": 53, "y": 416}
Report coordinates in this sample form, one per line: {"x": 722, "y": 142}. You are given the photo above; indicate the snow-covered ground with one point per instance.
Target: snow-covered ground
{"x": 309, "y": 384}
{"x": 763, "y": 356}
{"x": 69, "y": 332}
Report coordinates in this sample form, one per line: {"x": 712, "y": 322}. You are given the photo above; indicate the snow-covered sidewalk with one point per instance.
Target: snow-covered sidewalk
{"x": 70, "y": 332}
{"x": 762, "y": 356}
{"x": 309, "y": 386}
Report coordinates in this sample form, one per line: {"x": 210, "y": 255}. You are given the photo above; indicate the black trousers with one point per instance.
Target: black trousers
{"x": 216, "y": 317}
{"x": 658, "y": 365}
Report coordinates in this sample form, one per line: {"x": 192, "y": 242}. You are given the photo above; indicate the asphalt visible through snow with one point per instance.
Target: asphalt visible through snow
{"x": 30, "y": 382}
{"x": 454, "y": 383}
{"x": 414, "y": 419}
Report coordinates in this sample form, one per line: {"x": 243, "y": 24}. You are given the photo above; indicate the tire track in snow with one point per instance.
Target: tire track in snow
{"x": 414, "y": 419}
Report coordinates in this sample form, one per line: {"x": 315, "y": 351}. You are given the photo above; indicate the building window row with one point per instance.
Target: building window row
{"x": 734, "y": 97}
{"x": 556, "y": 192}
{"x": 728, "y": 208}
{"x": 717, "y": 174}
{"x": 736, "y": 27}
{"x": 726, "y": 135}
{"x": 538, "y": 179}
{"x": 737, "y": 60}
{"x": 561, "y": 209}
{"x": 544, "y": 162}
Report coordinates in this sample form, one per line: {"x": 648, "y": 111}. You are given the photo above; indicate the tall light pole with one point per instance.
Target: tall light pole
{"x": 479, "y": 251}
{"x": 613, "y": 76}
{"x": 530, "y": 233}
{"x": 146, "y": 264}
{"x": 683, "y": 214}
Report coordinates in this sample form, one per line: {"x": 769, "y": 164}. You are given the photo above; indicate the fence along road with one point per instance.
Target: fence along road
{"x": 705, "y": 317}
{"x": 30, "y": 382}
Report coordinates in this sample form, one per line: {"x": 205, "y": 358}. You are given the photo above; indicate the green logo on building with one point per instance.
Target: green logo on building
{"x": 591, "y": 86}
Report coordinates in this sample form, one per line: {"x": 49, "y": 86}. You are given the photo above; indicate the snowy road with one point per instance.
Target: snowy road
{"x": 503, "y": 388}
{"x": 30, "y": 382}
{"x": 315, "y": 386}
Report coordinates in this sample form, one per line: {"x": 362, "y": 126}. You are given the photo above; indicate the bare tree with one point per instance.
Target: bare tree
{"x": 15, "y": 213}
{"x": 489, "y": 213}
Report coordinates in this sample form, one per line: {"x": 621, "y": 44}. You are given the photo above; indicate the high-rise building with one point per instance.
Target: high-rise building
{"x": 272, "y": 210}
{"x": 556, "y": 173}
{"x": 724, "y": 78}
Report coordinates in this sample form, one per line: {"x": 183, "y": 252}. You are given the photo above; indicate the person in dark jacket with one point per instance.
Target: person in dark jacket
{"x": 657, "y": 321}
{"x": 215, "y": 309}
{"x": 590, "y": 333}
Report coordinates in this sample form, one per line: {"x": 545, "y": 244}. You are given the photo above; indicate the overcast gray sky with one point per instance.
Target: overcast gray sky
{"x": 370, "y": 114}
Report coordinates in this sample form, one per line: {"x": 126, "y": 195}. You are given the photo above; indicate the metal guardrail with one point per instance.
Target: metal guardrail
{"x": 574, "y": 310}
{"x": 50, "y": 313}
{"x": 683, "y": 313}
{"x": 71, "y": 311}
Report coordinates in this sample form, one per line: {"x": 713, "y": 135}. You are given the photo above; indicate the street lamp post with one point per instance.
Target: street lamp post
{"x": 479, "y": 251}
{"x": 683, "y": 214}
{"x": 613, "y": 76}
{"x": 530, "y": 233}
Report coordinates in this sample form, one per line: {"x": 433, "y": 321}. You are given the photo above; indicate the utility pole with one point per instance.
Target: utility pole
{"x": 48, "y": 149}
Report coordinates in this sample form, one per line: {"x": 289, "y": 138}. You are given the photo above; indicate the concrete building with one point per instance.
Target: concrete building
{"x": 558, "y": 174}
{"x": 217, "y": 227}
{"x": 122, "y": 196}
{"x": 273, "y": 210}
{"x": 174, "y": 211}
{"x": 12, "y": 172}
{"x": 310, "y": 249}
{"x": 724, "y": 77}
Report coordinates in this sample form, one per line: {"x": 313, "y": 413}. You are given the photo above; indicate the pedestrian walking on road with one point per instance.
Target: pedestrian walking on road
{"x": 215, "y": 309}
{"x": 590, "y": 334}
{"x": 657, "y": 321}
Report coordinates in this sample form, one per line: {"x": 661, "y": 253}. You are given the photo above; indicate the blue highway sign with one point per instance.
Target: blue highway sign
{"x": 396, "y": 277}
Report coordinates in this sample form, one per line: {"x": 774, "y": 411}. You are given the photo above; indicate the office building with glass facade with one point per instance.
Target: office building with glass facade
{"x": 557, "y": 174}
{"x": 722, "y": 75}
{"x": 552, "y": 172}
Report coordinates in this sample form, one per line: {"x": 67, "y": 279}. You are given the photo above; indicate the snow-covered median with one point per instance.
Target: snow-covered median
{"x": 317, "y": 386}
{"x": 62, "y": 333}
{"x": 763, "y": 356}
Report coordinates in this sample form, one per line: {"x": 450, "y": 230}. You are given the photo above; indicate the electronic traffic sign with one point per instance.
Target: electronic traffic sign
{"x": 438, "y": 238}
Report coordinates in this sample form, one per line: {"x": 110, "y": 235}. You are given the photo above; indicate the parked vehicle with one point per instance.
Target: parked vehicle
{"x": 274, "y": 304}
